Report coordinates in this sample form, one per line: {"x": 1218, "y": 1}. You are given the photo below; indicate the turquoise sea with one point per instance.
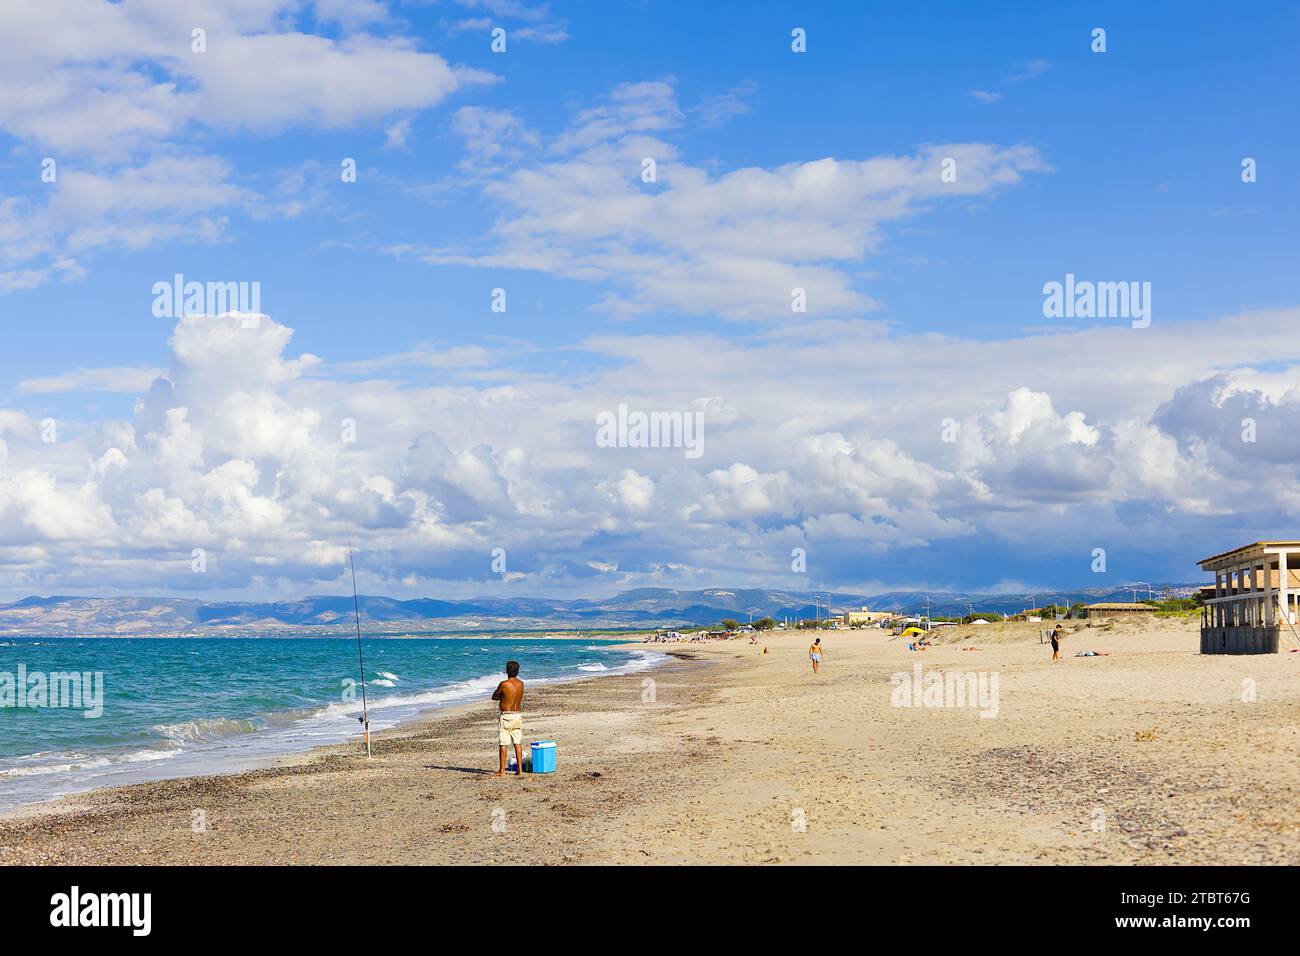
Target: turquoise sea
{"x": 179, "y": 706}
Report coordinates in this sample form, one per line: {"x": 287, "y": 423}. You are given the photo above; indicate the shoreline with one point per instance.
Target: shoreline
{"x": 82, "y": 800}
{"x": 165, "y": 808}
{"x": 724, "y": 755}
{"x": 209, "y": 760}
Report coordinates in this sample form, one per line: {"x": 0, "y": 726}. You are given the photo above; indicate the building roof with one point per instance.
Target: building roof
{"x": 1119, "y": 606}
{"x": 1246, "y": 552}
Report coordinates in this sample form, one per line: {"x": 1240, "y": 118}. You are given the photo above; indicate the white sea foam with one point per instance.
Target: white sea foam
{"x": 41, "y": 770}
{"x": 146, "y": 756}
{"x": 642, "y": 661}
{"x": 212, "y": 728}
{"x": 461, "y": 690}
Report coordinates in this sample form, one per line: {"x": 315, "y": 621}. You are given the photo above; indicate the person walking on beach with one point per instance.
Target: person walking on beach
{"x": 815, "y": 654}
{"x": 510, "y": 725}
{"x": 1057, "y": 634}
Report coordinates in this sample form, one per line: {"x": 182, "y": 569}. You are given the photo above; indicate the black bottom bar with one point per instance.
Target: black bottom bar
{"x": 249, "y": 906}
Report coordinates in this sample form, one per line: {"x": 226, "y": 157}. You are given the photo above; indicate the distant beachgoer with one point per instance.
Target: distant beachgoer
{"x": 815, "y": 655}
{"x": 1093, "y": 654}
{"x": 510, "y": 725}
{"x": 1057, "y": 634}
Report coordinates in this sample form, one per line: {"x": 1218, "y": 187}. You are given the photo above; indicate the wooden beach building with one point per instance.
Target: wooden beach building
{"x": 1119, "y": 611}
{"x": 1256, "y": 595}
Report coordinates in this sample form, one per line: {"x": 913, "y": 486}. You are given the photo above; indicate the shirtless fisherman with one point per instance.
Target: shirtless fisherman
{"x": 510, "y": 725}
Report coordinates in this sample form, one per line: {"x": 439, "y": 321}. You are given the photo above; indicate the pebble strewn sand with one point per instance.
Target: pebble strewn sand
{"x": 746, "y": 758}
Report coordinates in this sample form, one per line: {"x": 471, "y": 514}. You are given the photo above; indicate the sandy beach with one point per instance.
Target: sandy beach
{"x": 1154, "y": 754}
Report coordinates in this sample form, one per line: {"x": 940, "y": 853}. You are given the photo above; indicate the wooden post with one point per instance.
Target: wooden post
{"x": 1218, "y": 593}
{"x": 1284, "y": 585}
{"x": 1216, "y": 612}
{"x": 1263, "y": 592}
{"x": 1270, "y": 592}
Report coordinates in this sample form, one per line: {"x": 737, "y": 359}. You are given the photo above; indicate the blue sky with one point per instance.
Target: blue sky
{"x": 520, "y": 170}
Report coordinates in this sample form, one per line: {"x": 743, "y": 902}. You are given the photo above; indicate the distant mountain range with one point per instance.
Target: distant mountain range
{"x": 639, "y": 608}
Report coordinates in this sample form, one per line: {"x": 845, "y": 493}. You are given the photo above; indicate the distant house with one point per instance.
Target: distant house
{"x": 1119, "y": 611}
{"x": 1256, "y": 594}
{"x": 865, "y": 616}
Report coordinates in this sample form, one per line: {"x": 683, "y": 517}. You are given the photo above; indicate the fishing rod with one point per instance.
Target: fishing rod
{"x": 356, "y": 607}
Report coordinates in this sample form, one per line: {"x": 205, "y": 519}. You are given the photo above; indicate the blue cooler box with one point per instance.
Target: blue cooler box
{"x": 543, "y": 756}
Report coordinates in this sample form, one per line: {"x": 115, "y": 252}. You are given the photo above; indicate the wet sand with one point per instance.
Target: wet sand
{"x": 1150, "y": 755}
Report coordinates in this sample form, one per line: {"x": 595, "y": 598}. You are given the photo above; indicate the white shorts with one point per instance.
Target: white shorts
{"x": 510, "y": 729}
